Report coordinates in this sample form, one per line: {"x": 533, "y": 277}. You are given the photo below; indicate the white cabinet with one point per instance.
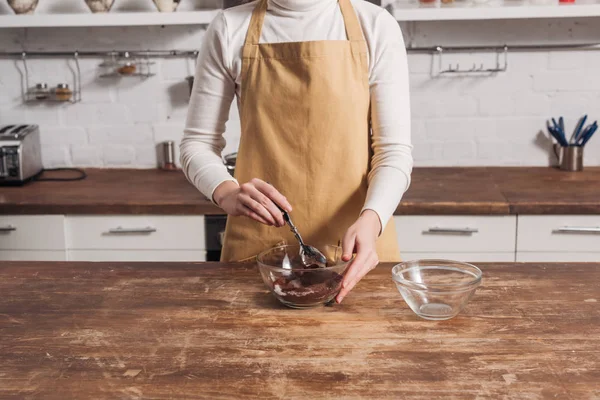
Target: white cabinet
{"x": 126, "y": 232}
{"x": 462, "y": 238}
{"x": 548, "y": 238}
{"x": 135, "y": 238}
{"x": 32, "y": 232}
{"x": 32, "y": 238}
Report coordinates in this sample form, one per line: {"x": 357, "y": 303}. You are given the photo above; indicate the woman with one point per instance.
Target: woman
{"x": 322, "y": 89}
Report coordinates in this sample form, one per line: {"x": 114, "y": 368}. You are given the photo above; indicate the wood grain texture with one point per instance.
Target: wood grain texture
{"x": 549, "y": 190}
{"x": 211, "y": 331}
{"x": 441, "y": 191}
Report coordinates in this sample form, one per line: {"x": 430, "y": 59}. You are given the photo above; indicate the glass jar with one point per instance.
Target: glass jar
{"x": 41, "y": 91}
{"x": 128, "y": 68}
{"x": 62, "y": 92}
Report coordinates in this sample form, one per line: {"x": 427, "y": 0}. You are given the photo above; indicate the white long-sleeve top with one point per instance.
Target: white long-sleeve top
{"x": 218, "y": 79}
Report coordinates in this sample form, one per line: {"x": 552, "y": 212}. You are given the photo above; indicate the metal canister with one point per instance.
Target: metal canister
{"x": 168, "y": 155}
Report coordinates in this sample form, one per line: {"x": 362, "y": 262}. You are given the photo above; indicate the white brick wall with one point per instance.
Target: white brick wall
{"x": 459, "y": 120}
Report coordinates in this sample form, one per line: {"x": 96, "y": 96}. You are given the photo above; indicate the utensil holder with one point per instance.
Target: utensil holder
{"x": 569, "y": 158}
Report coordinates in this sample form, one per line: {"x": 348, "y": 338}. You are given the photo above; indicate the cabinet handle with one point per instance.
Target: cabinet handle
{"x": 577, "y": 229}
{"x": 8, "y": 228}
{"x": 120, "y": 230}
{"x": 221, "y": 238}
{"x": 451, "y": 231}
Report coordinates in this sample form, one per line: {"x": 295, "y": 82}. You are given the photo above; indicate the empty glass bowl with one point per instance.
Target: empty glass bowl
{"x": 297, "y": 286}
{"x": 436, "y": 289}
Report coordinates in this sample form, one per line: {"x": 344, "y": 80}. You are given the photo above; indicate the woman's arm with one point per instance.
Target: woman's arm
{"x": 392, "y": 162}
{"x": 210, "y": 101}
{"x": 203, "y": 142}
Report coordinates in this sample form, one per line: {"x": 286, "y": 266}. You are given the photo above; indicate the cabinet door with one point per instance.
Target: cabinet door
{"x": 32, "y": 232}
{"x": 141, "y": 232}
{"x": 33, "y": 255}
{"x": 137, "y": 255}
{"x": 464, "y": 257}
{"x": 456, "y": 234}
{"x": 559, "y": 233}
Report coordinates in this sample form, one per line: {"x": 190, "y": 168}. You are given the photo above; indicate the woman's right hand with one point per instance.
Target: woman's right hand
{"x": 255, "y": 199}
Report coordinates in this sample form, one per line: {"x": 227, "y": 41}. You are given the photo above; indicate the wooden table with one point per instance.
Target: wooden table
{"x": 210, "y": 331}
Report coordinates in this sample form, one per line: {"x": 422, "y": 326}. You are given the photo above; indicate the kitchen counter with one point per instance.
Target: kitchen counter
{"x": 472, "y": 191}
{"x": 210, "y": 331}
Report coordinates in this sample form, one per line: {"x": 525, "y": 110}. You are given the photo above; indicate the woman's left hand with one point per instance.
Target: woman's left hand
{"x": 360, "y": 238}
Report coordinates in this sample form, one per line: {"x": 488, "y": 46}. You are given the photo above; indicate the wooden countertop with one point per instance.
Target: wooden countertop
{"x": 211, "y": 331}
{"x": 477, "y": 190}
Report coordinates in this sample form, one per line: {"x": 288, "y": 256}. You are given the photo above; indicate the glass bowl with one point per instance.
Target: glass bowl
{"x": 297, "y": 286}
{"x": 436, "y": 289}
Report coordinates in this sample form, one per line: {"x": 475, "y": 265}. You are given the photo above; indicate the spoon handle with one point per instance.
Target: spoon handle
{"x": 288, "y": 220}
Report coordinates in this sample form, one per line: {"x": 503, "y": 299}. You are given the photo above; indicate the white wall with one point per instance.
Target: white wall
{"x": 491, "y": 120}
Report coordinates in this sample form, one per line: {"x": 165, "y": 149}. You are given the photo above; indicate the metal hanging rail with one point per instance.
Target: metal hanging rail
{"x": 194, "y": 53}
{"x": 97, "y": 53}
{"x": 504, "y": 47}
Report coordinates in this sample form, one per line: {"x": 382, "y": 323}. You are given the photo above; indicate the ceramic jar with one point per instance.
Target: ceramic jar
{"x": 166, "y": 5}
{"x": 23, "y": 6}
{"x": 99, "y": 6}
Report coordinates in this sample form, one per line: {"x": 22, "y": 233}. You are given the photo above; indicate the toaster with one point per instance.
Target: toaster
{"x": 20, "y": 154}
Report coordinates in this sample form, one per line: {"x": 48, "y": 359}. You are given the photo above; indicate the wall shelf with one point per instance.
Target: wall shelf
{"x": 402, "y": 12}
{"x": 412, "y": 12}
{"x": 109, "y": 19}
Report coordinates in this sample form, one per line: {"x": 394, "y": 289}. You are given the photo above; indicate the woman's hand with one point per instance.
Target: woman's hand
{"x": 360, "y": 238}
{"x": 254, "y": 199}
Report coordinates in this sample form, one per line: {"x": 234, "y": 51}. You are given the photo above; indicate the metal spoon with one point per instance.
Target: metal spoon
{"x": 308, "y": 254}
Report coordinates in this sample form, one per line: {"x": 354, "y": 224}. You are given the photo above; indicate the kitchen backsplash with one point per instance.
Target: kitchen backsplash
{"x": 457, "y": 121}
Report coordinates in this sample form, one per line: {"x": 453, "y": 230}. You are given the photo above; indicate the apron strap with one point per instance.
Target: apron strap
{"x": 353, "y": 29}
{"x": 256, "y": 23}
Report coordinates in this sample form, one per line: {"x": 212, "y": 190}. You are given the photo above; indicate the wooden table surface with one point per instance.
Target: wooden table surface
{"x": 211, "y": 331}
{"x": 445, "y": 190}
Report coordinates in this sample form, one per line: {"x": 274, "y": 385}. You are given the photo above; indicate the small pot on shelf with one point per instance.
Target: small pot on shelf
{"x": 23, "y": 6}
{"x": 166, "y": 5}
{"x": 99, "y": 6}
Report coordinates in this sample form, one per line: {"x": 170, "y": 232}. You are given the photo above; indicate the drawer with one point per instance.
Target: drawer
{"x": 32, "y": 232}
{"x": 559, "y": 233}
{"x": 33, "y": 255}
{"x": 153, "y": 232}
{"x": 143, "y": 255}
{"x": 464, "y": 257}
{"x": 456, "y": 234}
{"x": 547, "y": 256}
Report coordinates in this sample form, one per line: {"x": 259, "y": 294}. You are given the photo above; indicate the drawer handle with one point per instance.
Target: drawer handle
{"x": 577, "y": 229}
{"x": 8, "y": 228}
{"x": 121, "y": 230}
{"x": 451, "y": 231}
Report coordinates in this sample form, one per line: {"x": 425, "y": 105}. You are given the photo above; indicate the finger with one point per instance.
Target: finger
{"x": 273, "y": 194}
{"x": 266, "y": 202}
{"x": 353, "y": 280}
{"x": 251, "y": 214}
{"x": 257, "y": 208}
{"x": 348, "y": 243}
{"x": 359, "y": 263}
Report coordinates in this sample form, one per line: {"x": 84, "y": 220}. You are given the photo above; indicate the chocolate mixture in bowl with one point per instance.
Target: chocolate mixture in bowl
{"x": 309, "y": 286}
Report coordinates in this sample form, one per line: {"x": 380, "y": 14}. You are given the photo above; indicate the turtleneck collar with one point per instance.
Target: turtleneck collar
{"x": 301, "y": 5}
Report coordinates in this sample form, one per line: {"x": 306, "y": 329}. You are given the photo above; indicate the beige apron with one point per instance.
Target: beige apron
{"x": 305, "y": 129}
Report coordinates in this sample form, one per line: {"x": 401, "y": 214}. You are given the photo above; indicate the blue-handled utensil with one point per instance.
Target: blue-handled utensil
{"x": 588, "y": 135}
{"x": 561, "y": 121}
{"x": 578, "y": 129}
{"x": 560, "y": 131}
{"x": 556, "y": 135}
